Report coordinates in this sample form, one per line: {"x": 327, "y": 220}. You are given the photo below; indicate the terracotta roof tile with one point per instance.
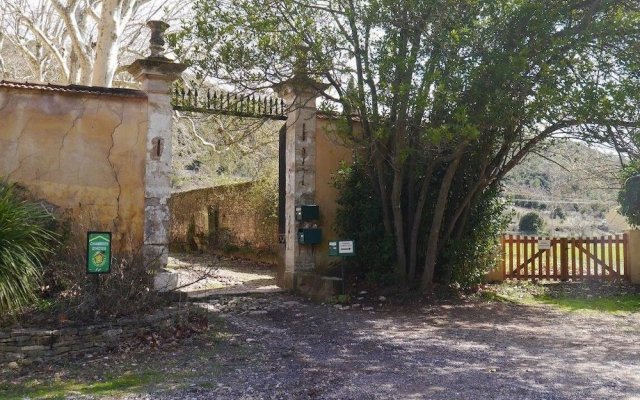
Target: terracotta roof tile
{"x": 48, "y": 87}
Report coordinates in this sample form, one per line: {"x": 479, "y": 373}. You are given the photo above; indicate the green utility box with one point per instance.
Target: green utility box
{"x": 309, "y": 236}
{"x": 309, "y": 212}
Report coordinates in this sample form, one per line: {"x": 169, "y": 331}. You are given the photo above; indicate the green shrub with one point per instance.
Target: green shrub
{"x": 359, "y": 217}
{"x": 629, "y": 196}
{"x": 478, "y": 250}
{"x": 531, "y": 222}
{"x": 24, "y": 242}
{"x": 558, "y": 213}
{"x": 464, "y": 261}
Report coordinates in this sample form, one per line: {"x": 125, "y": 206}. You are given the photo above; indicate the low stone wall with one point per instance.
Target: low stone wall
{"x": 33, "y": 344}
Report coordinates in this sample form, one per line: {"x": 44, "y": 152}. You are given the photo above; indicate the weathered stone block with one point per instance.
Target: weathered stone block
{"x": 13, "y": 356}
{"x": 155, "y": 255}
{"x": 317, "y": 287}
{"x": 6, "y": 348}
{"x": 165, "y": 281}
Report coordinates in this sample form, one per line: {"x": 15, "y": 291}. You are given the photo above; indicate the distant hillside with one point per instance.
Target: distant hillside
{"x": 572, "y": 186}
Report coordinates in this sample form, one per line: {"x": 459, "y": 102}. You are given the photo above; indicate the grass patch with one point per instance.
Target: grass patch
{"x": 611, "y": 304}
{"x": 36, "y": 389}
{"x": 588, "y": 297}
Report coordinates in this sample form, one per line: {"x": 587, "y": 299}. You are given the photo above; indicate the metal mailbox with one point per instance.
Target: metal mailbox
{"x": 309, "y": 212}
{"x": 309, "y": 235}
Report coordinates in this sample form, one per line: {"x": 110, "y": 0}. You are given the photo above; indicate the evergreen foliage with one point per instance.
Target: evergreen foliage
{"x": 24, "y": 242}
{"x": 629, "y": 196}
{"x": 531, "y": 223}
{"x": 358, "y": 217}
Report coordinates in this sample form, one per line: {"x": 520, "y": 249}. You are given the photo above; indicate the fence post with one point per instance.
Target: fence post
{"x": 564, "y": 259}
{"x": 632, "y": 256}
{"x": 498, "y": 272}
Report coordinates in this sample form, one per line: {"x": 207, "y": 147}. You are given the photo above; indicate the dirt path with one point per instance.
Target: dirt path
{"x": 278, "y": 346}
{"x": 204, "y": 275}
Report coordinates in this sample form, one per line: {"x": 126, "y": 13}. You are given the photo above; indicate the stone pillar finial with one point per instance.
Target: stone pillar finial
{"x": 157, "y": 42}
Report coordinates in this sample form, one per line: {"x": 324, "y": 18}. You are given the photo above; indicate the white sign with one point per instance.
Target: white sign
{"x": 544, "y": 244}
{"x": 345, "y": 247}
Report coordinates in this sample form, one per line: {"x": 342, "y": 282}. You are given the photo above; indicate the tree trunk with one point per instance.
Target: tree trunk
{"x": 417, "y": 218}
{"x": 382, "y": 186}
{"x": 106, "y": 59}
{"x": 398, "y": 221}
{"x": 434, "y": 233}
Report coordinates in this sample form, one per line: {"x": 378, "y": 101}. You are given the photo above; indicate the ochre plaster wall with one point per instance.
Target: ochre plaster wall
{"x": 331, "y": 151}
{"x": 220, "y": 218}
{"x": 82, "y": 152}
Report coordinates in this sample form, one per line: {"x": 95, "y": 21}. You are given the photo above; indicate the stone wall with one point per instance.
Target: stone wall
{"x": 81, "y": 149}
{"x": 29, "y": 345}
{"x": 226, "y": 217}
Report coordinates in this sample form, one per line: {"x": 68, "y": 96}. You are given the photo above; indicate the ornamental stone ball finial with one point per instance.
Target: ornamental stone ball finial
{"x": 157, "y": 41}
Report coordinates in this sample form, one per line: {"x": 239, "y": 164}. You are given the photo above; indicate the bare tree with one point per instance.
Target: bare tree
{"x": 78, "y": 41}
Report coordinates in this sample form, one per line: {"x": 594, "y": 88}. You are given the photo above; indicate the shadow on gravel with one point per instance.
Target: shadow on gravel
{"x": 276, "y": 346}
{"x": 475, "y": 350}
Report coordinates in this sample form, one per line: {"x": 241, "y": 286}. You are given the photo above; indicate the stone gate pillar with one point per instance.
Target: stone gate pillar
{"x": 156, "y": 73}
{"x": 300, "y": 93}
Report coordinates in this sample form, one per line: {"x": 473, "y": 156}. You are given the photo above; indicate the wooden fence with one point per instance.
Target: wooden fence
{"x": 530, "y": 257}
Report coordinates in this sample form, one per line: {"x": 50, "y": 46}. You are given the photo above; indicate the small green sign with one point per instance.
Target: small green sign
{"x": 342, "y": 248}
{"x": 98, "y": 252}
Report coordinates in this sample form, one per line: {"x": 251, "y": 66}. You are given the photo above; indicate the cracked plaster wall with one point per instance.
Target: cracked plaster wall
{"x": 84, "y": 153}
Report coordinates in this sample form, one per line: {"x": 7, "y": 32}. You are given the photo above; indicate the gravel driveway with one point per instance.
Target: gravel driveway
{"x": 473, "y": 350}
{"x": 278, "y": 346}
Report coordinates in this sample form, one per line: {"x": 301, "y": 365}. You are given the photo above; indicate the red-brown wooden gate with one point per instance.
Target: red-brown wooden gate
{"x": 531, "y": 257}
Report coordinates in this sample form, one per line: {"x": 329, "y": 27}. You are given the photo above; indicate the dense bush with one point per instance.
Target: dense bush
{"x": 465, "y": 259}
{"x": 477, "y": 251}
{"x": 24, "y": 243}
{"x": 531, "y": 223}
{"x": 629, "y": 196}
{"x": 359, "y": 217}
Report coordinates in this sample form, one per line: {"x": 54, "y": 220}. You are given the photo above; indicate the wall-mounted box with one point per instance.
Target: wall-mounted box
{"x": 309, "y": 236}
{"x": 307, "y": 212}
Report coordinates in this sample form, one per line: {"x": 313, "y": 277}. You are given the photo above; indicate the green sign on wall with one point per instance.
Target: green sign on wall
{"x": 98, "y": 252}
{"x": 342, "y": 248}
